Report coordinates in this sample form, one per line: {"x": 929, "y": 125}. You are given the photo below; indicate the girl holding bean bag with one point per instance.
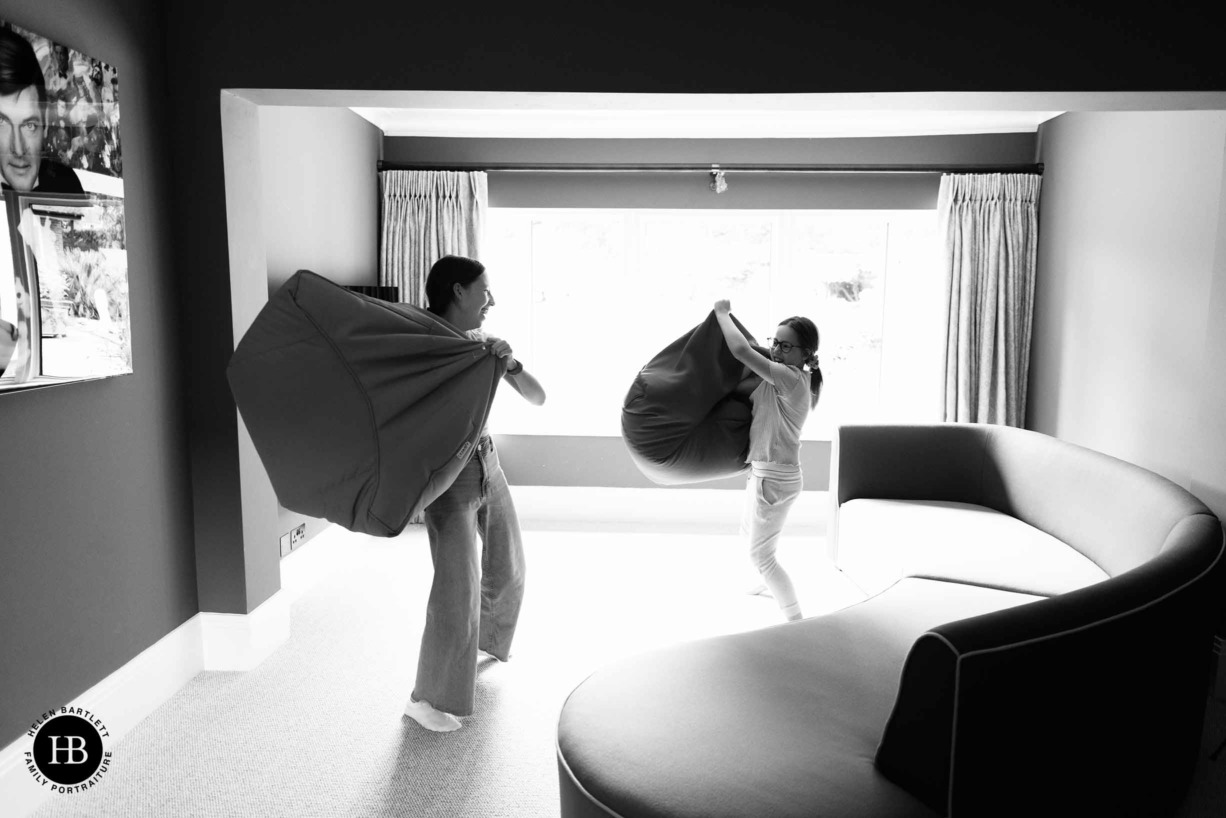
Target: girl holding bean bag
{"x": 682, "y": 419}
{"x": 782, "y": 398}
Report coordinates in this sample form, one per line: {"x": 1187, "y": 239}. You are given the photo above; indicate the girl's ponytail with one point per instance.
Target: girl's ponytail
{"x": 810, "y": 339}
{"x": 815, "y": 381}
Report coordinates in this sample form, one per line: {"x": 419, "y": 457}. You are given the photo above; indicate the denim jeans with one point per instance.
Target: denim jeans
{"x": 478, "y": 583}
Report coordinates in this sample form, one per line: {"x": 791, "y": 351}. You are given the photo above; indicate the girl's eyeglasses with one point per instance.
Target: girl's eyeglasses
{"x": 784, "y": 346}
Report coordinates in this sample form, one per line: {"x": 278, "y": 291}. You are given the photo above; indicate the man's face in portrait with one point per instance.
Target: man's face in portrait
{"x": 21, "y": 138}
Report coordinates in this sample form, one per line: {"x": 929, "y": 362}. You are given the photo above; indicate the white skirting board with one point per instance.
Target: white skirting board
{"x": 207, "y": 641}
{"x": 236, "y": 642}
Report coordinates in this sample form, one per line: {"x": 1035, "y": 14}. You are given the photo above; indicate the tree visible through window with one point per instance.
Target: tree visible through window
{"x": 586, "y": 297}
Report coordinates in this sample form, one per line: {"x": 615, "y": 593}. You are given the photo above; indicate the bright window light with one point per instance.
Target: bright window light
{"x": 587, "y": 296}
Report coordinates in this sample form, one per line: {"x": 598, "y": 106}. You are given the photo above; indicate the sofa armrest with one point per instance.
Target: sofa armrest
{"x": 1069, "y": 705}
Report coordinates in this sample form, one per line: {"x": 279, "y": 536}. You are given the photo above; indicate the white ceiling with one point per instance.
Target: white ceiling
{"x": 708, "y": 123}
{"x": 583, "y": 115}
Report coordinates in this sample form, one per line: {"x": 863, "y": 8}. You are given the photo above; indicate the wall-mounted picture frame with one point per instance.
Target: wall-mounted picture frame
{"x": 63, "y": 254}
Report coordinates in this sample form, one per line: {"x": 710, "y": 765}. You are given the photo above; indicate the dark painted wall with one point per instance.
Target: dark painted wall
{"x": 975, "y": 149}
{"x": 746, "y": 190}
{"x": 688, "y": 46}
{"x": 96, "y": 559}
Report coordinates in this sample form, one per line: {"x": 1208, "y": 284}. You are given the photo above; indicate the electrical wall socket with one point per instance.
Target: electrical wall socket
{"x": 297, "y": 536}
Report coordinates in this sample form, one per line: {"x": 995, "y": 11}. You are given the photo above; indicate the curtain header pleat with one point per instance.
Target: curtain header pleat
{"x": 991, "y": 187}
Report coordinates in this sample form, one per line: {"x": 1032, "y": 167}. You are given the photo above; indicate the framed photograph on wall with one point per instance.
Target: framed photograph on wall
{"x": 63, "y": 256}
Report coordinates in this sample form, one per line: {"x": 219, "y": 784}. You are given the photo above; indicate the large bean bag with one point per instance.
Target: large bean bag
{"x": 681, "y": 420}
{"x": 362, "y": 411}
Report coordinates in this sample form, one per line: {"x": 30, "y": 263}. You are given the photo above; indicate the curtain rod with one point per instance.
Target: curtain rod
{"x": 576, "y": 167}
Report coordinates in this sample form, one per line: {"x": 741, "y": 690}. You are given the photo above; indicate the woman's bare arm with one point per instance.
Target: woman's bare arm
{"x": 525, "y": 384}
{"x": 521, "y": 381}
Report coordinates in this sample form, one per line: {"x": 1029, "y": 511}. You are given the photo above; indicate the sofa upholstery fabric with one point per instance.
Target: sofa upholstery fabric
{"x": 963, "y": 542}
{"x": 1045, "y": 648}
{"x": 769, "y": 722}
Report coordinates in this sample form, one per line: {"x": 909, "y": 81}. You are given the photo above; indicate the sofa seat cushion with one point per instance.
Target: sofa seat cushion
{"x": 780, "y": 722}
{"x": 881, "y": 541}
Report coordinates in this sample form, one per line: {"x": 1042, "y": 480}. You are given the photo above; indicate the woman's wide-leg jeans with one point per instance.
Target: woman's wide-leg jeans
{"x": 478, "y": 584}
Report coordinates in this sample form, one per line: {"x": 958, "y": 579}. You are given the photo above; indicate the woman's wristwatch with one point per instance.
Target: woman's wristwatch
{"x": 519, "y": 367}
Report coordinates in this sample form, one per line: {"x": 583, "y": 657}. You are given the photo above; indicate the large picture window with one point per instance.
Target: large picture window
{"x": 587, "y": 296}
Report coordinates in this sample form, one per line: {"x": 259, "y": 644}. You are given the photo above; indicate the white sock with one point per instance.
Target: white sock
{"x": 424, "y": 714}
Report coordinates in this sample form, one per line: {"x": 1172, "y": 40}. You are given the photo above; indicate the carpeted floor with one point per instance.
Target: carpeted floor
{"x": 316, "y": 730}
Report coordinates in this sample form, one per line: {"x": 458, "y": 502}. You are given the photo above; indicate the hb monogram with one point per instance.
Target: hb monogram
{"x": 76, "y": 744}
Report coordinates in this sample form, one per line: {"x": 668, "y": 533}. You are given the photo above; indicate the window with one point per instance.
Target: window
{"x": 587, "y": 296}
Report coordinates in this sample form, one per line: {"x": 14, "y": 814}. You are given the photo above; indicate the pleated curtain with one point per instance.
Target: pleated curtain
{"x": 990, "y": 225}
{"x": 427, "y": 214}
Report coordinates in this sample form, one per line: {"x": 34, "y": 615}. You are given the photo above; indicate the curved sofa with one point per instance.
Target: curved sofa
{"x": 1036, "y": 640}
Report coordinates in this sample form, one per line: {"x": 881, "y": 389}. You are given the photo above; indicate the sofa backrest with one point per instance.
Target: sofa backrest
{"x": 1115, "y": 513}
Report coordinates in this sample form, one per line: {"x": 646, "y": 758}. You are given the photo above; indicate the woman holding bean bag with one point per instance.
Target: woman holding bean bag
{"x": 475, "y": 542}
{"x": 362, "y": 411}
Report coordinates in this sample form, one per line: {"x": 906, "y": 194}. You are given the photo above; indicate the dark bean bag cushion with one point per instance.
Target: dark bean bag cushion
{"x": 362, "y": 411}
{"x": 680, "y": 420}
